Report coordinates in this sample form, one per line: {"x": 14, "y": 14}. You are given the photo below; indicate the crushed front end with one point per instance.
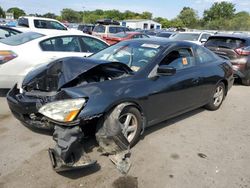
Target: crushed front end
{"x": 61, "y": 97}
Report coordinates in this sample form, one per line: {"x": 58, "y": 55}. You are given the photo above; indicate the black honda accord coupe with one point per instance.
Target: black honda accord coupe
{"x": 118, "y": 92}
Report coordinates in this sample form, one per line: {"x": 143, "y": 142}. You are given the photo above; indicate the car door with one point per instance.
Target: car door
{"x": 178, "y": 93}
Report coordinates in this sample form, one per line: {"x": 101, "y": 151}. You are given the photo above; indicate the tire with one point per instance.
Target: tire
{"x": 132, "y": 137}
{"x": 118, "y": 115}
{"x": 217, "y": 98}
{"x": 246, "y": 82}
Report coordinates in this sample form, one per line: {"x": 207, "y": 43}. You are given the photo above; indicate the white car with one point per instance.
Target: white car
{"x": 21, "y": 53}
{"x": 195, "y": 37}
{"x": 43, "y": 25}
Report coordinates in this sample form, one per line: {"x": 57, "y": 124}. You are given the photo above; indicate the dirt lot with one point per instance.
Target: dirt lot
{"x": 198, "y": 149}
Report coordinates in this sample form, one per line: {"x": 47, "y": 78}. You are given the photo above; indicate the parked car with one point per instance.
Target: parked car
{"x": 43, "y": 25}
{"x": 113, "y": 39}
{"x": 150, "y": 33}
{"x": 7, "y": 32}
{"x": 86, "y": 28}
{"x": 21, "y": 53}
{"x": 195, "y": 37}
{"x": 236, "y": 47}
{"x": 118, "y": 92}
{"x": 165, "y": 34}
{"x": 105, "y": 30}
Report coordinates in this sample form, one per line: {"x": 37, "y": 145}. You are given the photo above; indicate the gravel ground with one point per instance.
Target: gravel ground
{"x": 197, "y": 149}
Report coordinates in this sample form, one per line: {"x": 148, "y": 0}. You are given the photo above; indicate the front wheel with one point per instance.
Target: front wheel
{"x": 131, "y": 122}
{"x": 217, "y": 97}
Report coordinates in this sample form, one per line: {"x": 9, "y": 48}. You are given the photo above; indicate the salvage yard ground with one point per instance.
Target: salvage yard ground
{"x": 198, "y": 149}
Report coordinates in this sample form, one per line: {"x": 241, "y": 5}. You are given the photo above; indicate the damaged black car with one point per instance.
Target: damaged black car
{"x": 118, "y": 92}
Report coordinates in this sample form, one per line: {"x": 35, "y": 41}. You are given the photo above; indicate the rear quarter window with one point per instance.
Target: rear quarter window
{"x": 204, "y": 55}
{"x": 99, "y": 29}
{"x": 24, "y": 22}
{"x": 224, "y": 42}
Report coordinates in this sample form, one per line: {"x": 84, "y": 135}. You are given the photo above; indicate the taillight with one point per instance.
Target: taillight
{"x": 6, "y": 55}
{"x": 243, "y": 51}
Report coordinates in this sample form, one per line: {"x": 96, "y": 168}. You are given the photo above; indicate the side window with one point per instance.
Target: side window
{"x": 44, "y": 24}
{"x": 144, "y": 36}
{"x": 179, "y": 58}
{"x": 56, "y": 25}
{"x": 61, "y": 44}
{"x": 203, "y": 55}
{"x": 41, "y": 24}
{"x": 92, "y": 45}
{"x": 205, "y": 36}
{"x": 136, "y": 36}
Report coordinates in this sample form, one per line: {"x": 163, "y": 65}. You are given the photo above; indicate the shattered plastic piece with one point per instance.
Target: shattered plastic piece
{"x": 121, "y": 161}
{"x": 59, "y": 165}
{"x": 69, "y": 153}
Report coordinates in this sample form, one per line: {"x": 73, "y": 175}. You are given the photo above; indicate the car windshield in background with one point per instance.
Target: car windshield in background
{"x": 223, "y": 42}
{"x": 136, "y": 55}
{"x": 121, "y": 35}
{"x": 99, "y": 29}
{"x": 21, "y": 38}
{"x": 186, "y": 36}
{"x": 166, "y": 35}
{"x": 116, "y": 29}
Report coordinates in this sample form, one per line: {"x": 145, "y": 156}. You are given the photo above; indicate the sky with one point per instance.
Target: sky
{"x": 162, "y": 8}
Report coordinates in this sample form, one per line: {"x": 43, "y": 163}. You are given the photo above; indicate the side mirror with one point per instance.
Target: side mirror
{"x": 166, "y": 70}
{"x": 203, "y": 40}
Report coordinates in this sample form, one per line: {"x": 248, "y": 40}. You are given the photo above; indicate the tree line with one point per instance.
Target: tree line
{"x": 220, "y": 16}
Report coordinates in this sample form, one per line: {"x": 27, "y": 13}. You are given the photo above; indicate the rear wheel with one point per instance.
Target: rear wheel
{"x": 217, "y": 97}
{"x": 246, "y": 82}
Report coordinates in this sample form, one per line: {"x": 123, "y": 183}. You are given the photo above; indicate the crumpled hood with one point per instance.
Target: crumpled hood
{"x": 55, "y": 75}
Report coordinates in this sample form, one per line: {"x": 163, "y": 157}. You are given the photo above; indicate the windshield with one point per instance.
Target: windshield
{"x": 186, "y": 36}
{"x": 224, "y": 42}
{"x": 21, "y": 38}
{"x": 134, "y": 55}
{"x": 121, "y": 35}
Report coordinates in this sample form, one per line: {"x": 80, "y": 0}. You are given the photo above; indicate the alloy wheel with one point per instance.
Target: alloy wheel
{"x": 218, "y": 96}
{"x": 129, "y": 125}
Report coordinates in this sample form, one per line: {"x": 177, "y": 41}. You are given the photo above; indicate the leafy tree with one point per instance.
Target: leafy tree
{"x": 2, "y": 13}
{"x": 163, "y": 21}
{"x": 222, "y": 10}
{"x": 240, "y": 22}
{"x": 70, "y": 15}
{"x": 146, "y": 15}
{"x": 177, "y": 23}
{"x": 189, "y": 17}
{"x": 49, "y": 15}
{"x": 17, "y": 12}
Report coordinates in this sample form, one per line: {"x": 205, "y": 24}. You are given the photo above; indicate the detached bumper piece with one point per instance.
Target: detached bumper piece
{"x": 69, "y": 154}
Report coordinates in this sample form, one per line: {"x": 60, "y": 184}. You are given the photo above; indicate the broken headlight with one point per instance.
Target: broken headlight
{"x": 63, "y": 111}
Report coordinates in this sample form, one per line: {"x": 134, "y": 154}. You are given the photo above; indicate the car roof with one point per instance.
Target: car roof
{"x": 40, "y": 18}
{"x": 236, "y": 36}
{"x": 44, "y": 37}
{"x": 161, "y": 41}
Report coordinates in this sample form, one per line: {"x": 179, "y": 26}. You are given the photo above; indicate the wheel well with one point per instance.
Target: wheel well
{"x": 226, "y": 85}
{"x": 133, "y": 104}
